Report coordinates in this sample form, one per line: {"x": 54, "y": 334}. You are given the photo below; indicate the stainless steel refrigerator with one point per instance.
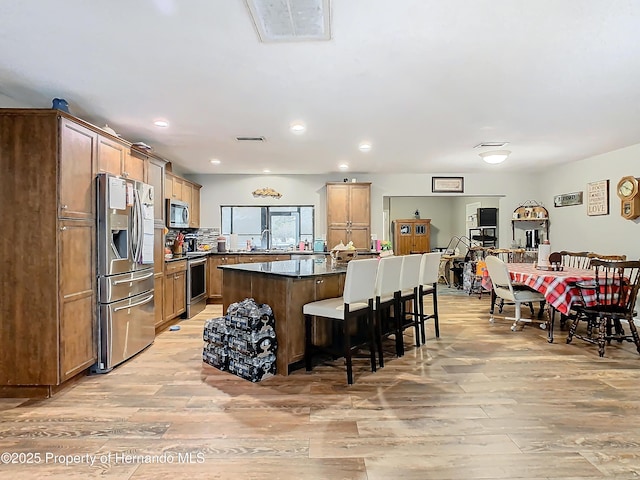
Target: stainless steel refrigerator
{"x": 125, "y": 269}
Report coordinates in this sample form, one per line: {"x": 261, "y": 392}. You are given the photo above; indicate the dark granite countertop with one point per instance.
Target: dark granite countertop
{"x": 253, "y": 252}
{"x": 290, "y": 268}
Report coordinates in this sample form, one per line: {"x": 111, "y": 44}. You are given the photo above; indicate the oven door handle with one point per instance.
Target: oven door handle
{"x": 137, "y": 279}
{"x": 141, "y": 302}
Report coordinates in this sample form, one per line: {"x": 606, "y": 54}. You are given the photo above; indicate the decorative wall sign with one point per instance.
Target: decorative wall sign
{"x": 598, "y": 198}
{"x": 567, "y": 199}
{"x": 447, "y": 184}
{"x": 266, "y": 192}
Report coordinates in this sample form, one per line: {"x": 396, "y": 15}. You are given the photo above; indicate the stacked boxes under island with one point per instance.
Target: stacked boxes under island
{"x": 242, "y": 342}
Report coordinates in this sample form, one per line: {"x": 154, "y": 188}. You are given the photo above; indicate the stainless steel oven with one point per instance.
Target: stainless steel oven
{"x": 196, "y": 285}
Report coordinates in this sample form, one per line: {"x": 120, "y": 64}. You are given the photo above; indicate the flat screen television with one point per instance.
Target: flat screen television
{"x": 487, "y": 217}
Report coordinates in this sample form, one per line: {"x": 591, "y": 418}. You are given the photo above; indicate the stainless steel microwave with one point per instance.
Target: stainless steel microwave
{"x": 177, "y": 214}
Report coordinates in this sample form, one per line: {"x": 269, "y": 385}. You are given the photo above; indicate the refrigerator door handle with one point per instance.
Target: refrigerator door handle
{"x": 142, "y": 302}
{"x": 136, "y": 279}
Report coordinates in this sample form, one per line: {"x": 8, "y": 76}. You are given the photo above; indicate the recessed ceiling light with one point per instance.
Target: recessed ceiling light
{"x": 161, "y": 123}
{"x": 266, "y": 170}
{"x": 297, "y": 128}
{"x": 215, "y": 161}
{"x": 364, "y": 147}
{"x": 343, "y": 166}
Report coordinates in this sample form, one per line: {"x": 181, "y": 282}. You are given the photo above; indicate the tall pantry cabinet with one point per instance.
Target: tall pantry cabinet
{"x": 349, "y": 214}
{"x": 47, "y": 250}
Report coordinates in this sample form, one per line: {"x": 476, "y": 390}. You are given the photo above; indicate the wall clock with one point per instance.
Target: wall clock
{"x": 629, "y": 194}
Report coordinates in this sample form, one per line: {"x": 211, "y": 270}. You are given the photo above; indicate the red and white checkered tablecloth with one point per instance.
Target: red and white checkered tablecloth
{"x": 557, "y": 287}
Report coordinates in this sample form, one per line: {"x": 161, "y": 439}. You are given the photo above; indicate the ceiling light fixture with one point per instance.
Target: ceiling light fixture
{"x": 161, "y": 123}
{"x": 495, "y": 156}
{"x": 297, "y": 128}
{"x": 215, "y": 161}
{"x": 343, "y": 166}
{"x": 266, "y": 170}
{"x": 364, "y": 147}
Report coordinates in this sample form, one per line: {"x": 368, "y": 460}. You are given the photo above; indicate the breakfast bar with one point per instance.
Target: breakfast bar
{"x": 285, "y": 286}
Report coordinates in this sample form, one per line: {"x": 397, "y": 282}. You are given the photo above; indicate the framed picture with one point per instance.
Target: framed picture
{"x": 598, "y": 198}
{"x": 447, "y": 184}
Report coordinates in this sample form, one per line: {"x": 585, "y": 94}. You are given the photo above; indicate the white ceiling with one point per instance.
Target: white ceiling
{"x": 423, "y": 80}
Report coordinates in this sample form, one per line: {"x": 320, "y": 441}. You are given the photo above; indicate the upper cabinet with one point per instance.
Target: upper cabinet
{"x": 156, "y": 178}
{"x": 115, "y": 157}
{"x": 178, "y": 188}
{"x": 349, "y": 214}
{"x": 77, "y": 157}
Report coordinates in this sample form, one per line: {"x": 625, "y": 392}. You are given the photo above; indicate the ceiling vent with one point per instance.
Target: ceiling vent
{"x": 492, "y": 144}
{"x": 291, "y": 20}
{"x": 250, "y": 139}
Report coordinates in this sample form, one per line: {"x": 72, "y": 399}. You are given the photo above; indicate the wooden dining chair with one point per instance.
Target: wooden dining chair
{"x": 575, "y": 259}
{"x": 355, "y": 303}
{"x": 505, "y": 289}
{"x": 607, "y": 301}
{"x": 570, "y": 260}
{"x": 597, "y": 256}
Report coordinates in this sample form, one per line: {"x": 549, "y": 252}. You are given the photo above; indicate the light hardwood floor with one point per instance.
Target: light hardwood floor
{"x": 481, "y": 402}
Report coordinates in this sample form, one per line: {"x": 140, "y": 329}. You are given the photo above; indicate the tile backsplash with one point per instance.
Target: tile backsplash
{"x": 206, "y": 236}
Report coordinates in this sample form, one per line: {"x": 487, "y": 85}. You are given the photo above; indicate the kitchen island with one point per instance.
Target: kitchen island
{"x": 285, "y": 286}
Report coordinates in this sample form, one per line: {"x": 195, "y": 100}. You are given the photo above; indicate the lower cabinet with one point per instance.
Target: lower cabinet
{"x": 214, "y": 280}
{"x": 175, "y": 289}
{"x": 214, "y": 284}
{"x": 158, "y": 297}
{"x": 77, "y": 298}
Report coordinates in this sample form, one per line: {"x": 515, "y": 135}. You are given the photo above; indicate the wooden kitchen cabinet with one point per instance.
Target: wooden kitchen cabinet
{"x": 77, "y": 189}
{"x": 286, "y": 296}
{"x": 114, "y": 156}
{"x": 48, "y": 296}
{"x": 194, "y": 211}
{"x": 173, "y": 186}
{"x": 175, "y": 289}
{"x": 214, "y": 283}
{"x": 158, "y": 298}
{"x": 412, "y": 235}
{"x": 156, "y": 178}
{"x": 77, "y": 345}
{"x": 178, "y": 188}
{"x": 349, "y": 214}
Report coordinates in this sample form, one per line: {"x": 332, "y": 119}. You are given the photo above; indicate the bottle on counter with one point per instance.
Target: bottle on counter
{"x": 306, "y": 245}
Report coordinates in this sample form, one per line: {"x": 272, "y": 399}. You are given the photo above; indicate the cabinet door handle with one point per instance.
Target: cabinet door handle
{"x": 319, "y": 282}
{"x": 64, "y": 207}
{"x": 63, "y": 228}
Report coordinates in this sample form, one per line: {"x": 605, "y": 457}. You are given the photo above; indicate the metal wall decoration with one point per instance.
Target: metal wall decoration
{"x": 567, "y": 199}
{"x": 598, "y": 198}
{"x": 266, "y": 192}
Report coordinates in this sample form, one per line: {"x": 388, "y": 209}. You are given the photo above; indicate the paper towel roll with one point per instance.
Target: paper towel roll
{"x": 543, "y": 254}
{"x": 233, "y": 242}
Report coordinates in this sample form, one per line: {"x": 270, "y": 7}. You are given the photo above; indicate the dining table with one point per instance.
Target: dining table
{"x": 558, "y": 287}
